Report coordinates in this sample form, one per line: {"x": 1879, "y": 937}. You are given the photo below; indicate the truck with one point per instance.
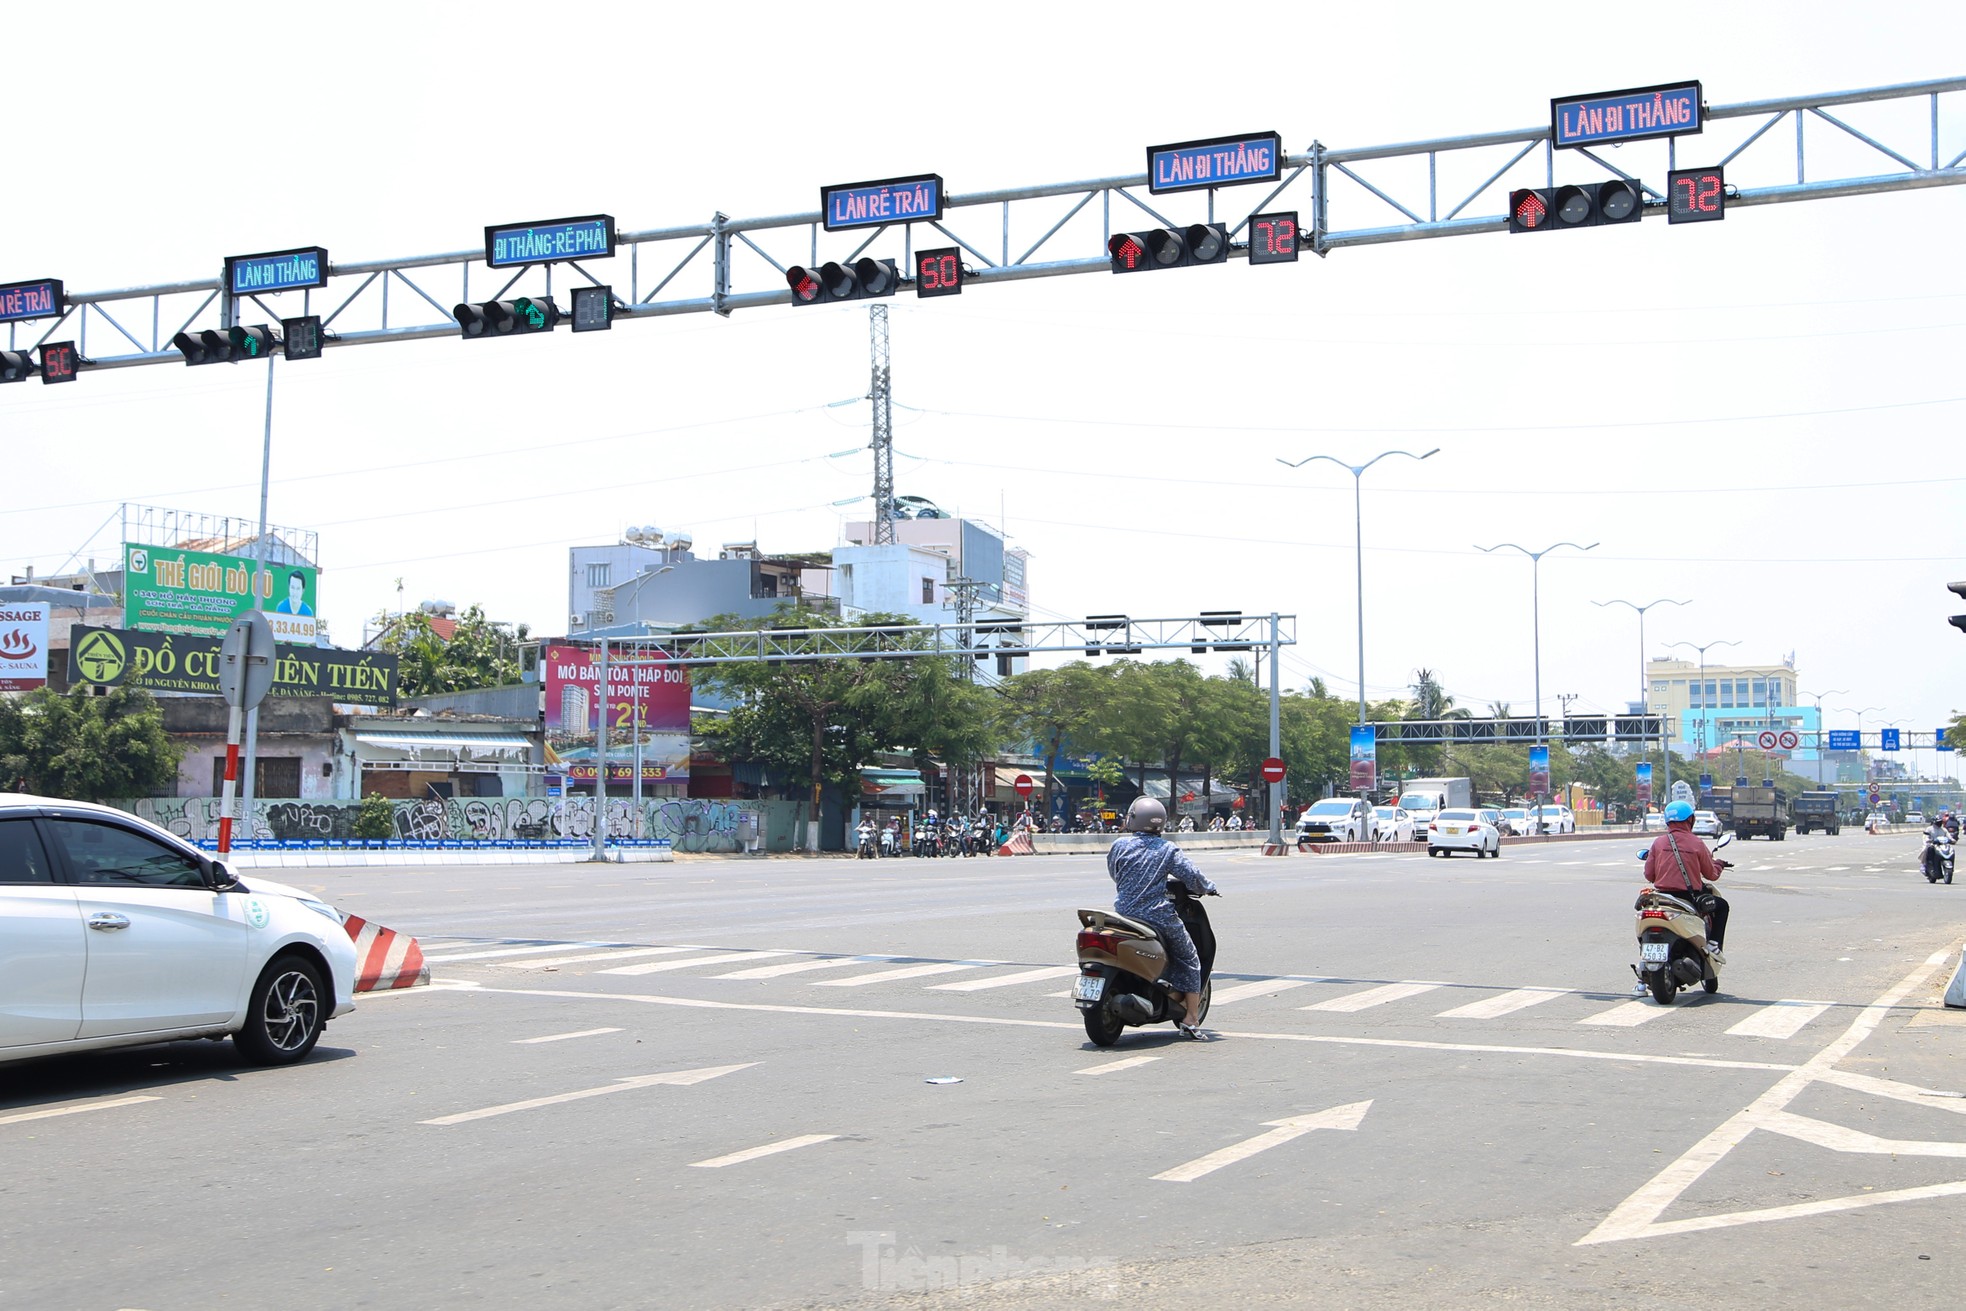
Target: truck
{"x": 1760, "y": 812}
{"x": 1815, "y": 811}
{"x": 1423, "y": 798}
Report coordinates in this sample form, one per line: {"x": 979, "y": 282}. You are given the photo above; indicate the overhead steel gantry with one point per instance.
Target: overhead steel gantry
{"x": 1447, "y": 187}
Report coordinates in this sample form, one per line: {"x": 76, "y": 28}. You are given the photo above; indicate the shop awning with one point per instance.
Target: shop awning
{"x": 448, "y": 744}
{"x": 892, "y": 782}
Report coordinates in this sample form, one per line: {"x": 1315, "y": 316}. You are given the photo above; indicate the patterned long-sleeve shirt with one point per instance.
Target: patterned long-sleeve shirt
{"x": 1140, "y": 864}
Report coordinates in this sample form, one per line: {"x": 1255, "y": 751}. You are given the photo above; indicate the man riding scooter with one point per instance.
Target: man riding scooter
{"x": 1681, "y": 864}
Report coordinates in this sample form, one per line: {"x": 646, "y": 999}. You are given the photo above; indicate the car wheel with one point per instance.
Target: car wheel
{"x": 286, "y": 1014}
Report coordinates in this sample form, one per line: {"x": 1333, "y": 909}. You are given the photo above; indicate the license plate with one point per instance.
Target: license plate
{"x": 1453, "y": 831}
{"x": 1090, "y": 987}
{"x": 1655, "y": 951}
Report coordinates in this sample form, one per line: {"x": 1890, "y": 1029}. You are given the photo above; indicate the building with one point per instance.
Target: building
{"x": 1711, "y": 706}
{"x": 649, "y": 581}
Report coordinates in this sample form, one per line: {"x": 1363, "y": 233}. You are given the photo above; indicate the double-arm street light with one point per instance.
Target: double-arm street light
{"x": 1536, "y": 610}
{"x": 1644, "y": 680}
{"x": 1821, "y": 736}
{"x": 1706, "y": 711}
{"x": 1860, "y": 738}
{"x": 1358, "y": 540}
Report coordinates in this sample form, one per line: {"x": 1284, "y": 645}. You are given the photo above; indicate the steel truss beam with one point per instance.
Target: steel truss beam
{"x": 1526, "y": 732}
{"x": 1098, "y": 635}
{"x": 1384, "y": 193}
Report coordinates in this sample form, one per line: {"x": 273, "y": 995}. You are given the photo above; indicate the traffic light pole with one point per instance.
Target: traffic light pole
{"x": 259, "y": 583}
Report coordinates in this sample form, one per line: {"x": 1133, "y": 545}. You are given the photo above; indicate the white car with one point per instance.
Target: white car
{"x": 1335, "y": 819}
{"x": 1391, "y": 824}
{"x": 1706, "y": 824}
{"x": 1464, "y": 830}
{"x": 114, "y": 933}
{"x": 1916, "y": 819}
{"x": 1516, "y": 821}
{"x": 1655, "y": 822}
{"x": 1552, "y": 818}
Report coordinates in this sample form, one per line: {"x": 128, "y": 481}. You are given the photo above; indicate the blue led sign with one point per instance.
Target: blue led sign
{"x": 1219, "y": 162}
{"x": 515, "y": 245}
{"x": 1649, "y": 111}
{"x": 280, "y": 270}
{"x": 1843, "y": 739}
{"x": 30, "y": 300}
{"x": 870, "y": 204}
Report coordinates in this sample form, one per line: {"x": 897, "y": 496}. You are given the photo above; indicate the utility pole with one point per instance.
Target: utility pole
{"x": 882, "y": 396}
{"x": 962, "y": 599}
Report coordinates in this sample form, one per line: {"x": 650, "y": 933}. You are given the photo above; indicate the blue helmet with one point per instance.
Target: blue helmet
{"x": 1679, "y": 812}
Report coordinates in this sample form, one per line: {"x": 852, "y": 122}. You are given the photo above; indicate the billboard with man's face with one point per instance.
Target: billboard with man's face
{"x": 167, "y": 590}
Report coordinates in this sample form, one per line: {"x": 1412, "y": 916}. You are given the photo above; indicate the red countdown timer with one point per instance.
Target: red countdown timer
{"x": 58, "y": 361}
{"x": 1273, "y": 238}
{"x": 1696, "y": 195}
{"x": 938, "y": 272}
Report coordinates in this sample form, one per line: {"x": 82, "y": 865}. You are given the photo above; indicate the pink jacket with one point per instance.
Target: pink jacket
{"x": 1662, "y": 868}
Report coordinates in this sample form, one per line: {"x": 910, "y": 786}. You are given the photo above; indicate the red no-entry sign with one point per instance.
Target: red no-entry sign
{"x": 1022, "y": 783}
{"x": 1273, "y": 770}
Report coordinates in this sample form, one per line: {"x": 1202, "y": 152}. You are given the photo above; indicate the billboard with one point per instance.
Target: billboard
{"x": 166, "y": 590}
{"x": 656, "y": 695}
{"x": 1365, "y": 758}
{"x": 1539, "y": 771}
{"x": 1644, "y": 783}
{"x": 23, "y": 646}
{"x": 180, "y": 662}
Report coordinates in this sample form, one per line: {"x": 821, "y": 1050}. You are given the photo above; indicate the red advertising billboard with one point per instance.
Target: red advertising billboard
{"x": 570, "y": 674}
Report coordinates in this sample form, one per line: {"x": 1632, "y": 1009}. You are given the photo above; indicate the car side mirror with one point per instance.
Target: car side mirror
{"x": 222, "y": 878}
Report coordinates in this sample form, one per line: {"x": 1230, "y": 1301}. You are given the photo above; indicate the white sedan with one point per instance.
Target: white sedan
{"x": 1516, "y": 820}
{"x": 1552, "y": 818}
{"x": 114, "y": 933}
{"x": 1463, "y": 830}
{"x": 1391, "y": 824}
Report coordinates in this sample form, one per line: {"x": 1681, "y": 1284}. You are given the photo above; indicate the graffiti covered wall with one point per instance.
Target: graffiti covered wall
{"x": 690, "y": 824}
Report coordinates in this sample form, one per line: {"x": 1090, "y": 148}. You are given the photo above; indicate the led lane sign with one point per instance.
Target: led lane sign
{"x": 938, "y": 272}
{"x": 30, "y": 300}
{"x": 1273, "y": 238}
{"x": 1219, "y": 162}
{"x": 1696, "y": 195}
{"x": 1649, "y": 111}
{"x": 870, "y": 204}
{"x": 515, "y": 245}
{"x": 281, "y": 270}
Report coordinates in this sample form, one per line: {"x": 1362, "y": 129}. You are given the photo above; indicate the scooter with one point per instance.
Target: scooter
{"x": 867, "y": 850}
{"x": 887, "y": 842}
{"x": 1672, "y": 941}
{"x": 1120, "y": 964}
{"x": 1936, "y": 859}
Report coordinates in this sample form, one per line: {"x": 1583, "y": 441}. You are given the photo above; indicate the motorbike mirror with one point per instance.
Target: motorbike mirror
{"x": 1725, "y": 838}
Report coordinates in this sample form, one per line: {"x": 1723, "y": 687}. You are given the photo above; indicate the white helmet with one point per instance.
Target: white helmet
{"x": 1145, "y": 815}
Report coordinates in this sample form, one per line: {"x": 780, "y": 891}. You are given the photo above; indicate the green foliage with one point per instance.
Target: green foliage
{"x": 480, "y": 653}
{"x": 86, "y": 748}
{"x": 1053, "y": 709}
{"x": 375, "y": 818}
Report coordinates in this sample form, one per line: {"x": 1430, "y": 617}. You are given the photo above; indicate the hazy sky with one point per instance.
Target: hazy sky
{"x": 1762, "y": 415}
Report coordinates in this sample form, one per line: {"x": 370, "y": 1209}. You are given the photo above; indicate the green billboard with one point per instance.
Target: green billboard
{"x": 168, "y": 590}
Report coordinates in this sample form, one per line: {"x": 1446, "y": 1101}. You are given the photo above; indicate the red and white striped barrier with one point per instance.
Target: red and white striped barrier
{"x": 384, "y": 958}
{"x": 1019, "y": 845}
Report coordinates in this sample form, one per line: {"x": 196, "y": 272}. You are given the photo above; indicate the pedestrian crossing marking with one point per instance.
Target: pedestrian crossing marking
{"x": 1784, "y": 1019}
{"x": 997, "y": 980}
{"x": 1359, "y": 1001}
{"x": 1504, "y": 1004}
{"x": 493, "y": 953}
{"x": 660, "y": 966}
{"x": 1627, "y": 1015}
{"x": 1259, "y": 988}
{"x": 798, "y": 967}
{"x": 905, "y": 972}
{"x": 557, "y": 961}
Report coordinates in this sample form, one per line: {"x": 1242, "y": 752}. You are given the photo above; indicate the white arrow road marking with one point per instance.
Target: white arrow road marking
{"x": 562, "y": 1037}
{"x": 1359, "y": 1001}
{"x": 619, "y": 1085}
{"x": 1784, "y": 1019}
{"x": 53, "y": 1111}
{"x": 1108, "y": 1067}
{"x": 1260, "y": 988}
{"x": 1281, "y": 1131}
{"x": 1005, "y": 980}
{"x": 768, "y": 1149}
{"x": 661, "y": 966}
{"x": 1638, "y": 1215}
{"x": 1505, "y": 1004}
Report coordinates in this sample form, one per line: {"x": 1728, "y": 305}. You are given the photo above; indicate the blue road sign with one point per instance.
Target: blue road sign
{"x": 1942, "y": 743}
{"x": 30, "y": 300}
{"x": 553, "y": 240}
{"x": 280, "y": 270}
{"x": 1887, "y": 739}
{"x": 869, "y": 204}
{"x": 1217, "y": 162}
{"x": 1844, "y": 739}
{"x": 1669, "y": 110}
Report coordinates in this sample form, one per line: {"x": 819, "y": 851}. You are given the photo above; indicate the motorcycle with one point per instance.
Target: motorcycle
{"x": 1672, "y": 941}
{"x": 1936, "y": 859}
{"x": 866, "y": 850}
{"x": 1120, "y": 964}
{"x": 927, "y": 842}
{"x": 887, "y": 842}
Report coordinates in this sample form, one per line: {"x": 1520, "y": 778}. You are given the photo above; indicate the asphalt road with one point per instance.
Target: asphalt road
{"x": 709, "y": 1084}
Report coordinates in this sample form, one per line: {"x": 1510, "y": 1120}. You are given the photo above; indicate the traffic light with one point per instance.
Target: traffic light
{"x": 301, "y": 337}
{"x": 1594, "y": 205}
{"x": 254, "y": 343}
{"x": 209, "y": 346}
{"x": 1168, "y": 248}
{"x": 1958, "y": 590}
{"x": 500, "y": 318}
{"x": 861, "y": 279}
{"x": 17, "y": 366}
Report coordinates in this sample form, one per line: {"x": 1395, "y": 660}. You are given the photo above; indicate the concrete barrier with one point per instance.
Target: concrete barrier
{"x": 1054, "y": 844}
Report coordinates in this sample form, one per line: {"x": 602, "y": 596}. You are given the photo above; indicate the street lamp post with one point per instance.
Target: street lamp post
{"x": 1700, "y": 681}
{"x": 1644, "y": 681}
{"x": 1358, "y": 540}
{"x": 1860, "y": 738}
{"x": 1817, "y": 697}
{"x": 1536, "y": 624}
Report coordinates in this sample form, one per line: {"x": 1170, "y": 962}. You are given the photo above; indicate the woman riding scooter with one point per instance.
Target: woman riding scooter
{"x": 1140, "y": 863}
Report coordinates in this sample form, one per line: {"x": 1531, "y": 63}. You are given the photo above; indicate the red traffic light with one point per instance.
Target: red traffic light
{"x": 1127, "y": 252}
{"x": 1528, "y": 210}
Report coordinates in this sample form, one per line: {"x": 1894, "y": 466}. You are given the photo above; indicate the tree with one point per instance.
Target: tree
{"x": 1050, "y": 708}
{"x": 86, "y": 748}
{"x": 478, "y": 653}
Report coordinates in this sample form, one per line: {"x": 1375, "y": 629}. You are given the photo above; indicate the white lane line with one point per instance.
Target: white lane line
{"x": 905, "y": 972}
{"x": 768, "y": 1149}
{"x": 797, "y": 967}
{"x": 1258, "y": 988}
{"x": 1280, "y": 1132}
{"x": 494, "y": 953}
{"x": 557, "y": 961}
{"x": 21, "y": 1117}
{"x": 1108, "y": 1067}
{"x": 1784, "y": 1019}
{"x": 1507, "y": 1003}
{"x": 1371, "y": 997}
{"x": 619, "y": 1085}
{"x": 562, "y": 1037}
{"x": 1627, "y": 1014}
{"x": 663, "y": 966}
{"x": 1006, "y": 980}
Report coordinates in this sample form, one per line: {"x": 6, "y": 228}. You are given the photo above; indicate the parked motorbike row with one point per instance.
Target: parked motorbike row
{"x": 951, "y": 839}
